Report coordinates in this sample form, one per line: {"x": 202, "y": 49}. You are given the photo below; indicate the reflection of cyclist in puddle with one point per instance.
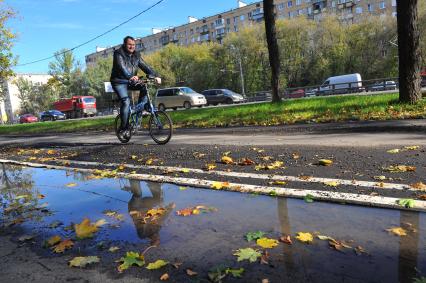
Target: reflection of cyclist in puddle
{"x": 148, "y": 226}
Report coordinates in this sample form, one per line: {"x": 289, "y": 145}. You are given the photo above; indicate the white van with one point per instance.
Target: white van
{"x": 176, "y": 97}
{"x": 341, "y": 84}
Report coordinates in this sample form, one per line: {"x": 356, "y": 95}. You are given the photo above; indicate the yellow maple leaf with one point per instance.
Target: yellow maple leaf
{"x": 397, "y": 231}
{"x": 62, "y": 246}
{"x": 305, "y": 237}
{"x": 393, "y": 150}
{"x": 85, "y": 229}
{"x": 220, "y": 185}
{"x": 413, "y": 147}
{"x": 209, "y": 167}
{"x": 70, "y": 185}
{"x": 51, "y": 151}
{"x": 227, "y": 160}
{"x": 267, "y": 243}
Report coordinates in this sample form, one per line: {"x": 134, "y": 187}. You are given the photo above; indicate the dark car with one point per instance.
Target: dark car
{"x": 262, "y": 96}
{"x": 381, "y": 86}
{"x": 52, "y": 115}
{"x": 216, "y": 96}
{"x": 28, "y": 118}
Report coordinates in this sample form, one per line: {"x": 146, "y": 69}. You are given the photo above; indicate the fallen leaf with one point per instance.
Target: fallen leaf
{"x": 133, "y": 157}
{"x": 305, "y": 237}
{"x": 220, "y": 185}
{"x": 267, "y": 243}
{"x": 55, "y": 224}
{"x": 277, "y": 182}
{"x": 325, "y": 238}
{"x": 157, "y": 264}
{"x": 286, "y": 239}
{"x": 399, "y": 231}
{"x": 408, "y": 203}
{"x": 305, "y": 178}
{"x": 191, "y": 272}
{"x": 325, "y": 162}
{"x": 164, "y": 277}
{"x": 419, "y": 186}
{"x": 227, "y": 160}
{"x": 380, "y": 178}
{"x": 332, "y": 183}
{"x": 296, "y": 155}
{"x": 400, "y": 168}
{"x": 245, "y": 162}
{"x": 413, "y": 147}
{"x": 53, "y": 240}
{"x": 251, "y": 236}
{"x": 100, "y": 223}
{"x": 209, "y": 167}
{"x": 265, "y": 280}
{"x": 183, "y": 188}
{"x": 81, "y": 261}
{"x": 25, "y": 238}
{"x": 113, "y": 249}
{"x": 177, "y": 265}
{"x": 198, "y": 155}
{"x": 247, "y": 254}
{"x": 70, "y": 185}
{"x": 131, "y": 258}
{"x": 236, "y": 273}
{"x": 422, "y": 197}
{"x": 62, "y": 246}
{"x": 360, "y": 250}
{"x": 393, "y": 150}
{"x": 85, "y": 229}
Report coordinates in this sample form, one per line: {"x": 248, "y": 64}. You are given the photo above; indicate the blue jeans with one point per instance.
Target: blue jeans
{"x": 121, "y": 91}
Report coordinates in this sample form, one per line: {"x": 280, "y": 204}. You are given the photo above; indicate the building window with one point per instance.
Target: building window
{"x": 382, "y": 5}
{"x": 309, "y": 10}
{"x": 298, "y": 2}
{"x": 358, "y": 10}
{"x": 236, "y": 28}
{"x": 370, "y": 7}
{"x": 242, "y": 18}
{"x": 290, "y": 4}
{"x": 281, "y": 6}
{"x": 235, "y": 20}
{"x": 228, "y": 21}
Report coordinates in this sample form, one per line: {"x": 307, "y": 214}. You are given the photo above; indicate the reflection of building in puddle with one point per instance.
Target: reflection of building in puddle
{"x": 148, "y": 212}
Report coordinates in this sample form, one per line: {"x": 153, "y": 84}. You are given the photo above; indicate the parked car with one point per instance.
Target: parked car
{"x": 381, "y": 86}
{"x": 341, "y": 84}
{"x": 176, "y": 97}
{"x": 295, "y": 93}
{"x": 216, "y": 96}
{"x": 262, "y": 96}
{"x": 52, "y": 115}
{"x": 28, "y": 118}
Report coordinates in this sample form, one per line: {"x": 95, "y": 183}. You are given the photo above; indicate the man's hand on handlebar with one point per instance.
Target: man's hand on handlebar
{"x": 157, "y": 80}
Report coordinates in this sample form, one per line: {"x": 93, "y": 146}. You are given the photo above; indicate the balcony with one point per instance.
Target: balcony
{"x": 257, "y": 15}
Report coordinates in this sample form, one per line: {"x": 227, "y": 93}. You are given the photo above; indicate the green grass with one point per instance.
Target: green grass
{"x": 320, "y": 109}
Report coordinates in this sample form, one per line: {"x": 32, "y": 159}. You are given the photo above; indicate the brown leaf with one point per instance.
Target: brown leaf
{"x": 245, "y": 162}
{"x": 422, "y": 197}
{"x": 305, "y": 178}
{"x": 419, "y": 186}
{"x": 264, "y": 259}
{"x": 265, "y": 280}
{"x": 62, "y": 246}
{"x": 164, "y": 277}
{"x": 177, "y": 265}
{"x": 286, "y": 239}
{"x": 191, "y": 272}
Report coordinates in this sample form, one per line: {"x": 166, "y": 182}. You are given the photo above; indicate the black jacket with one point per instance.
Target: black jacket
{"x": 126, "y": 65}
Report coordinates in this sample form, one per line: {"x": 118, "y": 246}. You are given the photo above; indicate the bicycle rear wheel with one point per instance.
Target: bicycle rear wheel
{"x": 160, "y": 127}
{"x": 121, "y": 138}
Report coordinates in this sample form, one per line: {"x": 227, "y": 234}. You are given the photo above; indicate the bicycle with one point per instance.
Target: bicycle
{"x": 160, "y": 125}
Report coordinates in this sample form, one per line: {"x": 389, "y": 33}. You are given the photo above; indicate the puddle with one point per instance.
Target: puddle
{"x": 208, "y": 240}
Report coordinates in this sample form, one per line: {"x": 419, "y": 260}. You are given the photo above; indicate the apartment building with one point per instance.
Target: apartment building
{"x": 214, "y": 28}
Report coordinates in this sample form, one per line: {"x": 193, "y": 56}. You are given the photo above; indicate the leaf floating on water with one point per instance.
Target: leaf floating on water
{"x": 85, "y": 229}
{"x": 190, "y": 272}
{"x": 236, "y": 273}
{"x": 305, "y": 237}
{"x": 100, "y": 222}
{"x": 399, "y": 231}
{"x": 252, "y": 236}
{"x": 164, "y": 277}
{"x": 62, "y": 246}
{"x": 113, "y": 249}
{"x": 267, "y": 243}
{"x": 286, "y": 239}
{"x": 157, "y": 264}
{"x": 70, "y": 185}
{"x": 247, "y": 254}
{"x": 53, "y": 240}
{"x": 81, "y": 261}
{"x": 195, "y": 210}
{"x": 25, "y": 238}
{"x": 309, "y": 198}
{"x": 131, "y": 258}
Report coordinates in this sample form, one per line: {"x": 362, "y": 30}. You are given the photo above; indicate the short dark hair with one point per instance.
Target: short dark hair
{"x": 127, "y": 38}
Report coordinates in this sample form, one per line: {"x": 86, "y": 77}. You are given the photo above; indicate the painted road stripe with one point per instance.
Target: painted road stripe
{"x": 377, "y": 185}
{"x": 365, "y": 200}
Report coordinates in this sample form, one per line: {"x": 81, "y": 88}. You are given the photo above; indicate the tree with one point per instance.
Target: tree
{"x": 65, "y": 69}
{"x": 6, "y": 57}
{"x": 409, "y": 51}
{"x": 94, "y": 79}
{"x": 274, "y": 58}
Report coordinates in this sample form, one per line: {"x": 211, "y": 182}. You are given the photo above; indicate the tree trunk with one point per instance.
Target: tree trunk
{"x": 271, "y": 38}
{"x": 409, "y": 51}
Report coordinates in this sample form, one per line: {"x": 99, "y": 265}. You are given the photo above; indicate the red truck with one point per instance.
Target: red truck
{"x": 77, "y": 106}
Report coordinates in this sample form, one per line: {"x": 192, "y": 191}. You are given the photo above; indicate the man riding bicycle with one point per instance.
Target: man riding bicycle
{"x": 124, "y": 77}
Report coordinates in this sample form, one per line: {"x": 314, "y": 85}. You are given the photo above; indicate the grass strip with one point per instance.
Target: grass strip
{"x": 312, "y": 110}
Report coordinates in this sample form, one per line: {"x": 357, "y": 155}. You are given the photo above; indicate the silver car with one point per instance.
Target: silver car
{"x": 176, "y": 97}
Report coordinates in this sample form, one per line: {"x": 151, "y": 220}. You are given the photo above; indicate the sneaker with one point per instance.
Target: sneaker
{"x": 124, "y": 134}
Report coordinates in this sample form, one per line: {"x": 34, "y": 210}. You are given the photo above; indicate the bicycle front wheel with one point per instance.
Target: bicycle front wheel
{"x": 160, "y": 127}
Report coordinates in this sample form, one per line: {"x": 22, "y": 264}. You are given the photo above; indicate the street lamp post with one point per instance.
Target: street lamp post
{"x": 241, "y": 69}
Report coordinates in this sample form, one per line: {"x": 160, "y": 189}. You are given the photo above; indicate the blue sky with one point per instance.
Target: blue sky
{"x": 46, "y": 26}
